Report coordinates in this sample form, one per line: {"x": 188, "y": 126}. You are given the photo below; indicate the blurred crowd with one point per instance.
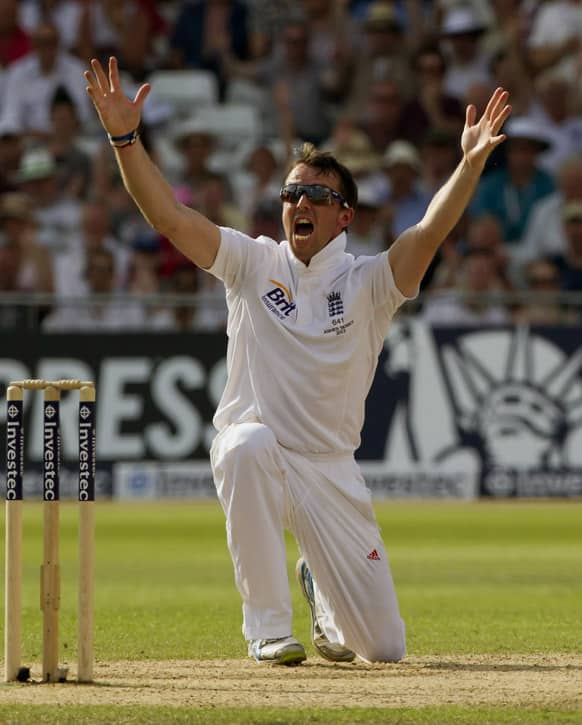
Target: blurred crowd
{"x": 236, "y": 85}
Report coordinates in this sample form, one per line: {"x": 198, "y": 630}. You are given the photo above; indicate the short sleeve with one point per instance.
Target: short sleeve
{"x": 385, "y": 293}
{"x": 240, "y": 256}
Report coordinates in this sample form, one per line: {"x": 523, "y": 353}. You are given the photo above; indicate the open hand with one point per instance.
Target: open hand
{"x": 479, "y": 139}
{"x": 118, "y": 113}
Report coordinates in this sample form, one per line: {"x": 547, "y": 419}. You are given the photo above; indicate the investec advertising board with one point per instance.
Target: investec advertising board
{"x": 452, "y": 412}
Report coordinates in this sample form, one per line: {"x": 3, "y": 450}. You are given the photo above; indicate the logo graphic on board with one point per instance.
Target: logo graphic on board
{"x": 12, "y": 411}
{"x": 498, "y": 409}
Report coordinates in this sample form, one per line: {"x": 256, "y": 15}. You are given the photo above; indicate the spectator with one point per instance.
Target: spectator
{"x": 195, "y": 143}
{"x": 266, "y": 23}
{"x": 461, "y": 33}
{"x": 383, "y": 54}
{"x": 544, "y": 234}
{"x": 94, "y": 233}
{"x": 509, "y": 62}
{"x": 132, "y": 28}
{"x": 297, "y": 85}
{"x": 352, "y": 147}
{"x": 207, "y": 314}
{"x": 294, "y": 72}
{"x": 216, "y": 203}
{"x": 440, "y": 156}
{"x": 34, "y": 271}
{"x": 542, "y": 279}
{"x": 331, "y": 31}
{"x": 108, "y": 314}
{"x": 56, "y": 212}
{"x": 207, "y": 30}
{"x": 510, "y": 193}
{"x": 144, "y": 265}
{"x": 66, "y": 15}
{"x": 556, "y": 37}
{"x": 266, "y": 219}
{"x": 14, "y": 41}
{"x": 367, "y": 233}
{"x": 406, "y": 202}
{"x": 73, "y": 164}
{"x": 570, "y": 262}
{"x": 388, "y": 116}
{"x": 486, "y": 233}
{"x": 555, "y": 110}
{"x": 31, "y": 83}
{"x": 11, "y": 148}
{"x": 181, "y": 317}
{"x": 443, "y": 111}
{"x": 96, "y": 28}
{"x": 12, "y": 317}
{"x": 260, "y": 178}
{"x": 472, "y": 301}
{"x": 483, "y": 233}
{"x": 507, "y": 71}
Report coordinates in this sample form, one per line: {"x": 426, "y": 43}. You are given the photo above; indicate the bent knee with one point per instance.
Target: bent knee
{"x": 249, "y": 441}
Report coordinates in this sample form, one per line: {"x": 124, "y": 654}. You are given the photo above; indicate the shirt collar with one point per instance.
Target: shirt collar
{"x": 327, "y": 257}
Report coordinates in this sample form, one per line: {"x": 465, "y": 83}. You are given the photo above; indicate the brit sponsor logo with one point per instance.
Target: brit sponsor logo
{"x": 278, "y": 300}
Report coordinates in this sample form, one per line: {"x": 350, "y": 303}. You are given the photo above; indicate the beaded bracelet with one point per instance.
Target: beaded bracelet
{"x": 127, "y": 139}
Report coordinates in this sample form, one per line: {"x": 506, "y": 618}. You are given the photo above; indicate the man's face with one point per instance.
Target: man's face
{"x": 309, "y": 227}
{"x": 46, "y": 43}
{"x": 385, "y": 103}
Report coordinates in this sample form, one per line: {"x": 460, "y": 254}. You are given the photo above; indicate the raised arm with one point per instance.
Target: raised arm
{"x": 192, "y": 233}
{"x": 413, "y": 251}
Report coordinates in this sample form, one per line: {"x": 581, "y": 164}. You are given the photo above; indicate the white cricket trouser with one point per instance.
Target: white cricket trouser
{"x": 265, "y": 488}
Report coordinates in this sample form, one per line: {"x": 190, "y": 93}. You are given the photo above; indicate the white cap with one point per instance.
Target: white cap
{"x": 191, "y": 127}
{"x": 369, "y": 195}
{"x": 529, "y": 129}
{"x": 36, "y": 164}
{"x": 401, "y": 152}
{"x": 9, "y": 128}
{"x": 462, "y": 20}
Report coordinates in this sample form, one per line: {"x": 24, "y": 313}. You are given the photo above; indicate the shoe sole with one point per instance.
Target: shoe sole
{"x": 289, "y": 659}
{"x": 301, "y": 581}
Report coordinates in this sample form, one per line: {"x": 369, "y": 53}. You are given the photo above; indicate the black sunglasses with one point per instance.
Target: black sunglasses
{"x": 316, "y": 193}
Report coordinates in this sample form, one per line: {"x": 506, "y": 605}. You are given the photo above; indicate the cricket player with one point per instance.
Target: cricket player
{"x": 306, "y": 324}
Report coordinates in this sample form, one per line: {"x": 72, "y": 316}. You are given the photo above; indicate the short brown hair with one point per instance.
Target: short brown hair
{"x": 326, "y": 164}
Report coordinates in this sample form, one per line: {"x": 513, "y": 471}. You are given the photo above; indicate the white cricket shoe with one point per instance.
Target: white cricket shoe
{"x": 282, "y": 651}
{"x": 332, "y": 651}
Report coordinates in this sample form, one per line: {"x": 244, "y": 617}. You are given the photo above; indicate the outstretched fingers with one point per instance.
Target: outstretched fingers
{"x": 100, "y": 77}
{"x": 114, "y": 80}
{"x": 91, "y": 88}
{"x": 141, "y": 95}
{"x": 498, "y": 98}
{"x": 501, "y": 117}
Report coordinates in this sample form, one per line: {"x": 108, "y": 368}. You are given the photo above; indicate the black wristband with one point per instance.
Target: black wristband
{"x": 127, "y": 139}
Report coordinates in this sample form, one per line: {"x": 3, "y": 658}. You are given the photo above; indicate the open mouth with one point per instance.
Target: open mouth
{"x": 302, "y": 229}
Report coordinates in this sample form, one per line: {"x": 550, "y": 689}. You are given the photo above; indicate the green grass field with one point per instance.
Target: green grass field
{"x": 495, "y": 579}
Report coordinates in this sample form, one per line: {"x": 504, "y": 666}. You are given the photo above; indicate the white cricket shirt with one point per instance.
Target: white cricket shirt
{"x": 303, "y": 340}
